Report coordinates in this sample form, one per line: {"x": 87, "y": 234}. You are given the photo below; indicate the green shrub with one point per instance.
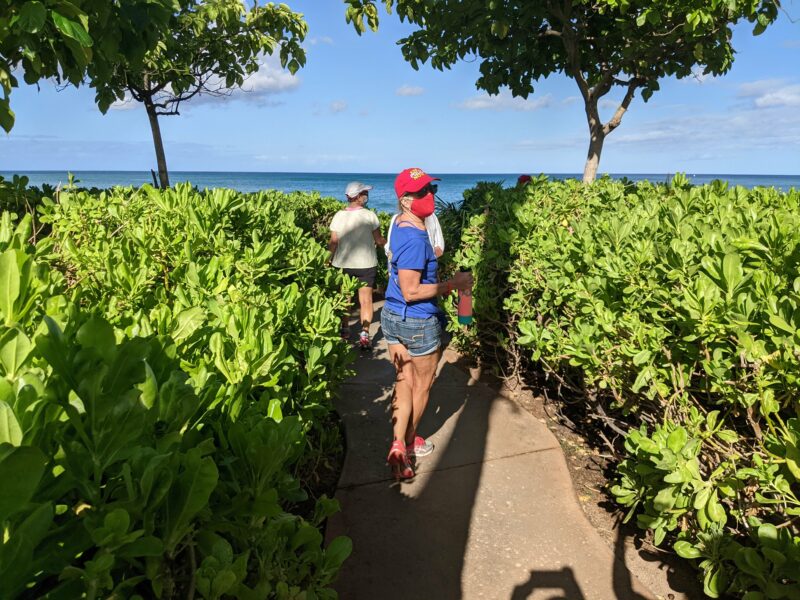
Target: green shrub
{"x": 677, "y": 309}
{"x": 167, "y": 359}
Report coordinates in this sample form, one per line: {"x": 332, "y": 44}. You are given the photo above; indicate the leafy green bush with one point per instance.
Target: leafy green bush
{"x": 676, "y": 309}
{"x": 167, "y": 361}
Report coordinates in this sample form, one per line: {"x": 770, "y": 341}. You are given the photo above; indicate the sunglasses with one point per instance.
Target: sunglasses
{"x": 431, "y": 188}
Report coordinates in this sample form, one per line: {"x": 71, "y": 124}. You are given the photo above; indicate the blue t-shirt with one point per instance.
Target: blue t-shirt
{"x": 411, "y": 249}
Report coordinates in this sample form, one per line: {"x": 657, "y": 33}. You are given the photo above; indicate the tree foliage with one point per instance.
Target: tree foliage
{"x": 60, "y": 39}
{"x": 603, "y": 44}
{"x": 213, "y": 46}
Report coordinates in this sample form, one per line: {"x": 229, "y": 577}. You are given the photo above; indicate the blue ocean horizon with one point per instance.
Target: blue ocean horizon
{"x": 382, "y": 197}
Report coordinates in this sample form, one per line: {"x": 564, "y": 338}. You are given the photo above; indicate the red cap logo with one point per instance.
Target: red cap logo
{"x": 411, "y": 180}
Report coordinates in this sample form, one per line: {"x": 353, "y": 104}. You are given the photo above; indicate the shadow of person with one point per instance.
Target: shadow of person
{"x": 561, "y": 581}
{"x": 623, "y": 579}
{"x": 410, "y": 539}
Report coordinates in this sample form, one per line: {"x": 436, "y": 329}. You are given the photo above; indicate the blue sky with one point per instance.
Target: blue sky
{"x": 358, "y": 107}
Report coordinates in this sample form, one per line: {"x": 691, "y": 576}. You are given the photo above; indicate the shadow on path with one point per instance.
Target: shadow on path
{"x": 415, "y": 541}
{"x": 490, "y": 515}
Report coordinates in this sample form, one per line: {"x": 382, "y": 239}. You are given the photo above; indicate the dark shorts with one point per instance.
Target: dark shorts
{"x": 365, "y": 276}
{"x": 420, "y": 336}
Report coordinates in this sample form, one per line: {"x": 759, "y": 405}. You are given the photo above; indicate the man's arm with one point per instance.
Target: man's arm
{"x": 379, "y": 239}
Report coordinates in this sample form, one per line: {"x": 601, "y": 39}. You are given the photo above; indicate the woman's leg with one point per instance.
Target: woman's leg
{"x": 403, "y": 389}
{"x": 366, "y": 309}
{"x": 424, "y": 371}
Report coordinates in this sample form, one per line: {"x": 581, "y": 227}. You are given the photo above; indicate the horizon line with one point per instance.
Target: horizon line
{"x": 515, "y": 173}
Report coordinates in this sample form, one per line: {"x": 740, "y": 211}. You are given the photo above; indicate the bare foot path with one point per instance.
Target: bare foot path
{"x": 490, "y": 515}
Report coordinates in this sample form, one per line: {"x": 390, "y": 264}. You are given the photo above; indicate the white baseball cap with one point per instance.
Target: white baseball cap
{"x": 354, "y": 188}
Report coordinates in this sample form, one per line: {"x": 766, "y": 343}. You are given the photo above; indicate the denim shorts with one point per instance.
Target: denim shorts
{"x": 419, "y": 336}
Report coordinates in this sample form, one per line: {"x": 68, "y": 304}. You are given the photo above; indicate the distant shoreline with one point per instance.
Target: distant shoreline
{"x": 6, "y": 172}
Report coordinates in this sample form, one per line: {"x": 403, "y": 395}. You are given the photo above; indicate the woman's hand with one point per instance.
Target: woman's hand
{"x": 462, "y": 281}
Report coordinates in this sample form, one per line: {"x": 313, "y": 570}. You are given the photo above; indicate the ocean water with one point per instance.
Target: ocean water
{"x": 382, "y": 197}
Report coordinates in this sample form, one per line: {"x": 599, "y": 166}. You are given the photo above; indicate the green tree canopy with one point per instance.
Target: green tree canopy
{"x": 59, "y": 39}
{"x": 212, "y": 47}
{"x": 602, "y": 44}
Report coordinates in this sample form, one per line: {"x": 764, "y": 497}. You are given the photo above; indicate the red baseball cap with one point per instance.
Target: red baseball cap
{"x": 523, "y": 179}
{"x": 411, "y": 180}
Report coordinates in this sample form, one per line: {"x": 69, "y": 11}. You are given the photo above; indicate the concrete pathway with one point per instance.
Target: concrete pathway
{"x": 490, "y": 515}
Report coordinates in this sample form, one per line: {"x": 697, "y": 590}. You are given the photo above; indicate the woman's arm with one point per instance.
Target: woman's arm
{"x": 413, "y": 289}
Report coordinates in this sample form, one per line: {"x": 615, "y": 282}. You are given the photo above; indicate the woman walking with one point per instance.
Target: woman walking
{"x": 355, "y": 231}
{"x": 410, "y": 319}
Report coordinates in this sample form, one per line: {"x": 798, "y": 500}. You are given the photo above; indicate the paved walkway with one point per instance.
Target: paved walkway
{"x": 490, "y": 515}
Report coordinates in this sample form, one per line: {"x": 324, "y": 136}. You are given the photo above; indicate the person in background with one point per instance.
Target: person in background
{"x": 410, "y": 319}
{"x": 434, "y": 235}
{"x": 522, "y": 180}
{"x": 355, "y": 231}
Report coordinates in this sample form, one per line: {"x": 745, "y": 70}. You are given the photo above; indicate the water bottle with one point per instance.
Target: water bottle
{"x": 465, "y": 307}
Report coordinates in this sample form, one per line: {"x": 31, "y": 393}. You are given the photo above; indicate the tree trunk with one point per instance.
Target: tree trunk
{"x": 161, "y": 159}
{"x": 593, "y": 157}
{"x": 597, "y": 136}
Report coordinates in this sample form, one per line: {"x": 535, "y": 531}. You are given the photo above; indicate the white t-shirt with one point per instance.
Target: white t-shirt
{"x": 356, "y": 249}
{"x": 433, "y": 227}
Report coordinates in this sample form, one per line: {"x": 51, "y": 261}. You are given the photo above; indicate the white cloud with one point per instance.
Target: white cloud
{"x": 759, "y": 87}
{"x": 127, "y": 103}
{"x": 791, "y": 44}
{"x": 740, "y": 129}
{"x": 338, "y": 106}
{"x": 409, "y": 90}
{"x": 609, "y": 103}
{"x": 768, "y": 93}
{"x": 785, "y": 96}
{"x": 270, "y": 78}
{"x": 569, "y": 100}
{"x": 321, "y": 40}
{"x": 697, "y": 133}
{"x": 505, "y": 101}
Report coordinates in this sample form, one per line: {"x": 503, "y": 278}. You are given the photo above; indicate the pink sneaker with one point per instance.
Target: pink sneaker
{"x": 363, "y": 341}
{"x": 399, "y": 462}
{"x": 420, "y": 447}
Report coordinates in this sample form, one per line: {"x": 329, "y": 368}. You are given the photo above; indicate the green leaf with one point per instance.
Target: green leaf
{"x": 188, "y": 496}
{"x": 10, "y": 431}
{"x": 642, "y": 357}
{"x": 9, "y": 283}
{"x": 728, "y": 435}
{"x": 20, "y": 471}
{"x": 274, "y": 411}
{"x": 677, "y": 440}
{"x": 714, "y": 509}
{"x": 778, "y": 322}
{"x": 714, "y": 582}
{"x": 32, "y": 16}
{"x": 6, "y": 120}
{"x": 665, "y": 499}
{"x": 686, "y": 550}
{"x": 98, "y": 334}
{"x": 711, "y": 419}
{"x": 337, "y": 552}
{"x": 187, "y": 322}
{"x": 71, "y": 29}
{"x": 14, "y": 352}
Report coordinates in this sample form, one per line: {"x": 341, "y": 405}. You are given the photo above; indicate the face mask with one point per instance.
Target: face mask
{"x": 423, "y": 207}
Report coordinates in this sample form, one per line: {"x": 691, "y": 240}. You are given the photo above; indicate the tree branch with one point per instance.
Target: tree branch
{"x": 617, "y": 118}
